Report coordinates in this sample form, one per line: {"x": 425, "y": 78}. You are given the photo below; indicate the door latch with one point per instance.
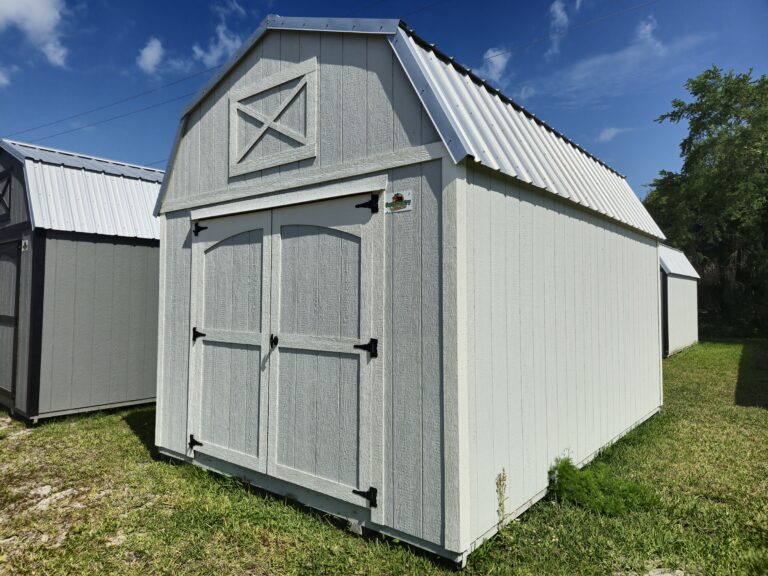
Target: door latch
{"x": 369, "y": 495}
{"x": 372, "y": 347}
{"x": 373, "y": 204}
{"x": 273, "y": 340}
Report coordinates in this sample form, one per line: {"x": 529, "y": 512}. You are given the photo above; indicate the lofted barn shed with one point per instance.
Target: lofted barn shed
{"x": 390, "y": 292}
{"x": 78, "y": 282}
{"x": 679, "y": 300}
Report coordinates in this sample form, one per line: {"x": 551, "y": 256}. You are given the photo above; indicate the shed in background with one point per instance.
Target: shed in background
{"x": 679, "y": 300}
{"x": 78, "y": 281}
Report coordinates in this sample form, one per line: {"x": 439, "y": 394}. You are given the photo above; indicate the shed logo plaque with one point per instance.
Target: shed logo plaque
{"x": 399, "y": 201}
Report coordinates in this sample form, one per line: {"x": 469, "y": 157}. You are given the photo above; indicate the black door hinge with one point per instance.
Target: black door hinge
{"x": 372, "y": 347}
{"x": 196, "y": 334}
{"x": 273, "y": 340}
{"x": 369, "y": 495}
{"x": 197, "y": 229}
{"x": 373, "y": 204}
{"x": 193, "y": 442}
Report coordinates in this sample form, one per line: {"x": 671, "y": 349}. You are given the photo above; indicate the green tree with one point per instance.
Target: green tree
{"x": 716, "y": 207}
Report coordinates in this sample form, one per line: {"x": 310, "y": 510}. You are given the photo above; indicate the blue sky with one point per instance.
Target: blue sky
{"x": 600, "y": 71}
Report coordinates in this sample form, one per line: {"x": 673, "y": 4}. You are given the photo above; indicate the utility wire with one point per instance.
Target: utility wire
{"x": 112, "y": 104}
{"x": 575, "y": 27}
{"x": 118, "y": 117}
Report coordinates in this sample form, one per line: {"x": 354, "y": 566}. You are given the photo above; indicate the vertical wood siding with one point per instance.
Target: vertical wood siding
{"x": 682, "y": 312}
{"x": 563, "y": 333}
{"x": 23, "y": 326}
{"x": 99, "y": 323}
{"x": 366, "y": 106}
{"x": 413, "y": 320}
{"x": 173, "y": 369}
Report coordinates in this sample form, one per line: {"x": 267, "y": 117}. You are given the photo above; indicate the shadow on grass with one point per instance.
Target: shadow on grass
{"x": 752, "y": 383}
{"x": 142, "y": 423}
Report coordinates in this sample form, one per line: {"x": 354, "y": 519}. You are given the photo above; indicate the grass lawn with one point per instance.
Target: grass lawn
{"x": 85, "y": 495}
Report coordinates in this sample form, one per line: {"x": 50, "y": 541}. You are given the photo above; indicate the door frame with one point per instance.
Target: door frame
{"x": 11, "y": 394}
{"x": 199, "y": 246}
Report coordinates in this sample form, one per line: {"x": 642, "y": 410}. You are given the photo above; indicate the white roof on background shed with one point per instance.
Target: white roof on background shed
{"x": 674, "y": 262}
{"x": 477, "y": 121}
{"x": 76, "y": 193}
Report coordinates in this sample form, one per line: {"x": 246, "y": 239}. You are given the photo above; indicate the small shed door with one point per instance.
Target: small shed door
{"x": 325, "y": 369}
{"x": 228, "y": 358}
{"x": 9, "y": 275}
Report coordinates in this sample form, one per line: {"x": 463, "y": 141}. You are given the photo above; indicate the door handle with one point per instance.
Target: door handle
{"x": 273, "y": 340}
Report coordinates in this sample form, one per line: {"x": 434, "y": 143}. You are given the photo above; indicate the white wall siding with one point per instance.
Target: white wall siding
{"x": 99, "y": 324}
{"x": 682, "y": 312}
{"x": 366, "y": 107}
{"x": 563, "y": 335}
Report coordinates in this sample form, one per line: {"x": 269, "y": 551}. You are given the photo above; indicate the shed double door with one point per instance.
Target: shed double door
{"x": 286, "y": 314}
{"x": 9, "y": 277}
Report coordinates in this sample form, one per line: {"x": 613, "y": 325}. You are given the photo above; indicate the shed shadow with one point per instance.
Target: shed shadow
{"x": 142, "y": 423}
{"x": 752, "y": 382}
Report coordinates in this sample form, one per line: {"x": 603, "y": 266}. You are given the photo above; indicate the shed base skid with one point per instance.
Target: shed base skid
{"x": 314, "y": 500}
{"x": 114, "y": 406}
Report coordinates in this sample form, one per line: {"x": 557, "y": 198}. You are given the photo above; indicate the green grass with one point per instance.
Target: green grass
{"x": 85, "y": 495}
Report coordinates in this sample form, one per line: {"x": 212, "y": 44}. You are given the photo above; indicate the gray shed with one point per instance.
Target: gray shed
{"x": 78, "y": 281}
{"x": 390, "y": 292}
{"x": 679, "y": 300}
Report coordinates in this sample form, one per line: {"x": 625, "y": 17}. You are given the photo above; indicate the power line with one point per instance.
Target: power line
{"x": 575, "y": 27}
{"x": 113, "y": 103}
{"x": 118, "y": 117}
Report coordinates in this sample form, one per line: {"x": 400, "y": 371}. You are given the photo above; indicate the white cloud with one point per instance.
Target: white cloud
{"x": 495, "y": 62}
{"x": 577, "y": 5}
{"x": 228, "y": 8}
{"x": 150, "y": 56}
{"x": 558, "y": 26}
{"x": 39, "y": 21}
{"x": 645, "y": 62}
{"x": 525, "y": 93}
{"x": 5, "y": 78}
{"x": 220, "y": 47}
{"x": 609, "y": 133}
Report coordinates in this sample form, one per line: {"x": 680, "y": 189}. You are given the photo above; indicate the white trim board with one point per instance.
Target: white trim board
{"x": 312, "y": 194}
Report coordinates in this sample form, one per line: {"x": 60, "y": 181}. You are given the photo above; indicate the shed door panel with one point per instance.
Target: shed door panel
{"x": 323, "y": 270}
{"x": 229, "y": 376}
{"x": 9, "y": 262}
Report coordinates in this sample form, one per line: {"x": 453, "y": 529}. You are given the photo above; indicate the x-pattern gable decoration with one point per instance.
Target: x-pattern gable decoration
{"x": 5, "y": 195}
{"x": 273, "y": 122}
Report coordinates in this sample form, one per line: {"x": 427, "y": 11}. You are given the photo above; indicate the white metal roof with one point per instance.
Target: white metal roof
{"x": 477, "y": 121}
{"x": 674, "y": 262}
{"x": 77, "y": 193}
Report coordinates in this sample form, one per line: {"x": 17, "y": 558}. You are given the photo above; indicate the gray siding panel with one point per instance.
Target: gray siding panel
{"x": 413, "y": 418}
{"x": 23, "y": 327}
{"x": 171, "y": 424}
{"x": 563, "y": 336}
{"x": 366, "y": 106}
{"x": 98, "y": 317}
